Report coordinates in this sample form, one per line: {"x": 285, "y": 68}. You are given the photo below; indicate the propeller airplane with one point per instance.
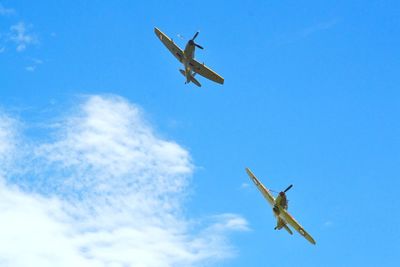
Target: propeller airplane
{"x": 279, "y": 208}
{"x": 186, "y": 57}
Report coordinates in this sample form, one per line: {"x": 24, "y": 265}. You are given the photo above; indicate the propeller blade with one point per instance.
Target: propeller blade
{"x": 287, "y": 189}
{"x": 199, "y": 46}
{"x": 195, "y": 35}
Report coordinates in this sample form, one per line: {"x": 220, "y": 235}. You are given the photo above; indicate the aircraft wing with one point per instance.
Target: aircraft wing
{"x": 206, "y": 72}
{"x": 172, "y": 47}
{"x": 268, "y": 196}
{"x": 290, "y": 220}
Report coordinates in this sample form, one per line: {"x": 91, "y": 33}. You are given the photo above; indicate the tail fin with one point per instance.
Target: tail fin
{"x": 191, "y": 78}
{"x": 282, "y": 224}
{"x": 288, "y": 229}
{"x": 196, "y": 82}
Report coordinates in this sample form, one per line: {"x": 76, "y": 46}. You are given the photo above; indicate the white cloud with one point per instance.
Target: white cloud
{"x": 106, "y": 191}
{"x": 21, "y": 36}
{"x": 35, "y": 232}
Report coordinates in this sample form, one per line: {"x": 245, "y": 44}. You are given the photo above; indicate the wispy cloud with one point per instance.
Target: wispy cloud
{"x": 33, "y": 64}
{"x": 9, "y": 129}
{"x": 307, "y": 31}
{"x": 244, "y": 185}
{"x": 21, "y": 35}
{"x": 6, "y": 11}
{"x": 105, "y": 191}
{"x": 322, "y": 26}
{"x": 16, "y": 34}
{"x": 30, "y": 68}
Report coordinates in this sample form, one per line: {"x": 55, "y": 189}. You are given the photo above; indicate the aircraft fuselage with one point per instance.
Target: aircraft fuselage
{"x": 188, "y": 56}
{"x": 280, "y": 203}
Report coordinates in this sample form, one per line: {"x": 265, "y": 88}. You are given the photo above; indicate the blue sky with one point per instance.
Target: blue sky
{"x": 311, "y": 98}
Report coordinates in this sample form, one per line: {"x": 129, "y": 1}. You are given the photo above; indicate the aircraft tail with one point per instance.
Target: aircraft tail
{"x": 288, "y": 229}
{"x": 281, "y": 224}
{"x": 196, "y": 82}
{"x": 191, "y": 78}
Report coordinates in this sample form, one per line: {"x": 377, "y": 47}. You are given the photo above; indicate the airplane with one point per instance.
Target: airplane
{"x": 279, "y": 208}
{"x": 186, "y": 57}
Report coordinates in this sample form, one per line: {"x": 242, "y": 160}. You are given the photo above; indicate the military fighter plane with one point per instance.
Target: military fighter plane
{"x": 279, "y": 207}
{"x": 186, "y": 57}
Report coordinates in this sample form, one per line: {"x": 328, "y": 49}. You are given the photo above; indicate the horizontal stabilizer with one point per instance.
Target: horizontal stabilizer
{"x": 192, "y": 79}
{"x": 196, "y": 82}
{"x": 288, "y": 229}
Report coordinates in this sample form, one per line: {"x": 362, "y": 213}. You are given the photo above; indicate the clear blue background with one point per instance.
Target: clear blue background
{"x": 311, "y": 97}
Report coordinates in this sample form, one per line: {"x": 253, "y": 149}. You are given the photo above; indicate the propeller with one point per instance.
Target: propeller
{"x": 287, "y": 189}
{"x": 199, "y": 46}
{"x": 195, "y": 35}
{"x": 192, "y": 40}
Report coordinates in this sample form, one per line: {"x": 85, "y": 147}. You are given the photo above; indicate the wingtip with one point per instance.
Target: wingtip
{"x": 157, "y": 31}
{"x": 249, "y": 172}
